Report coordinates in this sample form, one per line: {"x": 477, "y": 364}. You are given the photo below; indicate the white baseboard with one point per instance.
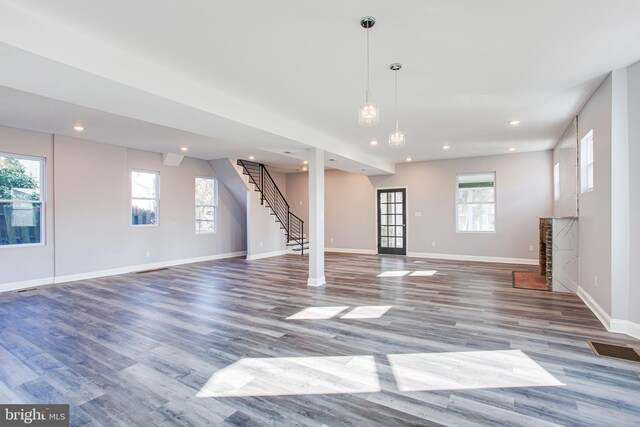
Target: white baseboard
{"x": 617, "y": 326}
{"x": 267, "y": 255}
{"x": 600, "y": 313}
{"x": 15, "y": 286}
{"x": 625, "y": 327}
{"x": 352, "y": 251}
{"x": 12, "y": 286}
{"x": 316, "y": 281}
{"x": 453, "y": 257}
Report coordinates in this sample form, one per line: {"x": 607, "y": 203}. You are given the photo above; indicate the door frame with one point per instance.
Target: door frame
{"x": 406, "y": 210}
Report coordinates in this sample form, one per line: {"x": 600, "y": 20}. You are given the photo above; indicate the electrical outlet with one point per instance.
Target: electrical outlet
{"x": 148, "y": 254}
{"x": 531, "y": 248}
{"x": 595, "y": 281}
{"x": 433, "y": 244}
{"x": 331, "y": 239}
{"x": 261, "y": 244}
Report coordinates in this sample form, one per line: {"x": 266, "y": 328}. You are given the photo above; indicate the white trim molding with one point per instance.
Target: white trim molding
{"x": 267, "y": 255}
{"x": 316, "y": 281}
{"x": 600, "y": 313}
{"x": 617, "y": 326}
{"x": 352, "y": 251}
{"x": 454, "y": 257}
{"x": 13, "y": 286}
{"x": 625, "y": 327}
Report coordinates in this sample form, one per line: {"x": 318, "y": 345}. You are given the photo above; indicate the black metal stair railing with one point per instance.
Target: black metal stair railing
{"x": 272, "y": 196}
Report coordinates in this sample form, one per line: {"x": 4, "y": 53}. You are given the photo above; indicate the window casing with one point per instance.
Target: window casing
{"x": 206, "y": 204}
{"x": 476, "y": 203}
{"x": 145, "y": 198}
{"x": 22, "y": 200}
{"x": 556, "y": 181}
{"x": 586, "y": 163}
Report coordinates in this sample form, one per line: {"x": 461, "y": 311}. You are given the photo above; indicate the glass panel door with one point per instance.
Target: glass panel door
{"x": 392, "y": 217}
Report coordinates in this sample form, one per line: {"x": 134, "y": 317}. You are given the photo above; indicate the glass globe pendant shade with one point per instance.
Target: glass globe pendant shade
{"x": 369, "y": 115}
{"x": 396, "y": 139}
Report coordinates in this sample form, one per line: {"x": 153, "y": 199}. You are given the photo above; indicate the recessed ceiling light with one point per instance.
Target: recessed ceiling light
{"x": 78, "y": 128}
{"x": 305, "y": 162}
{"x": 252, "y": 158}
{"x": 332, "y": 160}
{"x": 363, "y": 169}
{"x": 409, "y": 159}
{"x": 304, "y": 168}
{"x": 514, "y": 122}
{"x": 374, "y": 142}
{"x": 512, "y": 149}
{"x": 446, "y": 146}
{"x": 184, "y": 149}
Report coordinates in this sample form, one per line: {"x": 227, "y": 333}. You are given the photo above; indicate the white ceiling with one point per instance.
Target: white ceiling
{"x": 264, "y": 77}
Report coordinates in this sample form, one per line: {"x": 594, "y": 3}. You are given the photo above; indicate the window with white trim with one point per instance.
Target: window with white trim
{"x": 586, "y": 163}
{"x": 476, "y": 202}
{"x": 556, "y": 181}
{"x": 145, "y": 197}
{"x": 22, "y": 183}
{"x": 206, "y": 204}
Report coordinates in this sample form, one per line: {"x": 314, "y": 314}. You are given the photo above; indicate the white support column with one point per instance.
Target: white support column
{"x": 316, "y": 217}
{"x": 620, "y": 197}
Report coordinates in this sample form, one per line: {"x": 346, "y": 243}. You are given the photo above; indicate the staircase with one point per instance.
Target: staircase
{"x": 271, "y": 196}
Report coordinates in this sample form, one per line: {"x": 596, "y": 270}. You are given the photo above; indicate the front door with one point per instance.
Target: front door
{"x": 392, "y": 221}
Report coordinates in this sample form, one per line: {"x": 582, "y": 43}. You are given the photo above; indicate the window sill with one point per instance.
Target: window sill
{"x": 22, "y": 245}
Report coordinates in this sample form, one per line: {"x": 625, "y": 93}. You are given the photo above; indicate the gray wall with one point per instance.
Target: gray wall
{"x": 91, "y": 186}
{"x": 298, "y": 193}
{"x": 565, "y": 154}
{"x": 633, "y": 82}
{"x": 595, "y": 206}
{"x": 523, "y": 193}
{"x": 93, "y": 210}
{"x": 17, "y": 263}
{"x": 264, "y": 235}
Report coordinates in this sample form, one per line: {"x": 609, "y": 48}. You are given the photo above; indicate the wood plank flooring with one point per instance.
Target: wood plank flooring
{"x": 211, "y": 344}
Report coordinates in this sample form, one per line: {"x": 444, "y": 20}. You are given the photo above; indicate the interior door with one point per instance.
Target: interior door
{"x": 392, "y": 221}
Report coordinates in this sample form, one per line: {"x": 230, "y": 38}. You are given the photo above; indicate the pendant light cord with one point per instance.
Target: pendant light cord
{"x": 395, "y": 73}
{"x": 368, "y": 68}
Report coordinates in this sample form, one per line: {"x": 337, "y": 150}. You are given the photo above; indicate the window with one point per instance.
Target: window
{"x": 556, "y": 181}
{"x": 476, "y": 202}
{"x": 145, "y": 197}
{"x": 586, "y": 163}
{"x": 206, "y": 205}
{"x": 21, "y": 200}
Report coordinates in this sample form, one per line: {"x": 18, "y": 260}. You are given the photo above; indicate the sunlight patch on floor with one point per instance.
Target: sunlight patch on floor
{"x": 367, "y": 312}
{"x": 394, "y": 273}
{"x": 316, "y": 313}
{"x": 283, "y": 376}
{"x": 468, "y": 370}
{"x": 422, "y": 273}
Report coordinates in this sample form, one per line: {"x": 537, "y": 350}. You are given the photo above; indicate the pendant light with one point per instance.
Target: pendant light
{"x": 396, "y": 139}
{"x": 369, "y": 113}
